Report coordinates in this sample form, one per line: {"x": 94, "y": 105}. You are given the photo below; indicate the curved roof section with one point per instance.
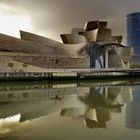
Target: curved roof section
{"x": 71, "y": 49}
{"x": 19, "y": 45}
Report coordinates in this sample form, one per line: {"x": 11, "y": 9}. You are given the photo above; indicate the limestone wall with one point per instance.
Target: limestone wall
{"x": 38, "y": 63}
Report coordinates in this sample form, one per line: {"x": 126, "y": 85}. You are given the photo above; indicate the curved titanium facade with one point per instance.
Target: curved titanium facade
{"x": 133, "y": 31}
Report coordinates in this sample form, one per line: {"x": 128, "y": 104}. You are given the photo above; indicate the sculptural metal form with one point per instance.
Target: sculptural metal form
{"x": 82, "y": 48}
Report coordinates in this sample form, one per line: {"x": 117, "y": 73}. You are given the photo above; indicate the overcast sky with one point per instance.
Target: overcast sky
{"x": 52, "y": 17}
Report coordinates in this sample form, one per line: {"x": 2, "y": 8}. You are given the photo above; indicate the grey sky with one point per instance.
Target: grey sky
{"x": 52, "y": 17}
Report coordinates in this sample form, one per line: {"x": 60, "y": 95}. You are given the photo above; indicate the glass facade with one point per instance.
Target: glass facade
{"x": 133, "y": 31}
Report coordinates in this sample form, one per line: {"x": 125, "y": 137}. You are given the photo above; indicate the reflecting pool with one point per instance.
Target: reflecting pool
{"x": 70, "y": 110}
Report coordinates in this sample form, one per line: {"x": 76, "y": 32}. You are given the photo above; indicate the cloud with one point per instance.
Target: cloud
{"x": 52, "y": 17}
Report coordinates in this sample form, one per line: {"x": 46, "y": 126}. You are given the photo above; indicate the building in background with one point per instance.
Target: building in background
{"x": 133, "y": 35}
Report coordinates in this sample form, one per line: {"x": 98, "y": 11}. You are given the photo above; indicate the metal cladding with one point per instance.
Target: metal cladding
{"x": 92, "y": 35}
{"x": 76, "y": 36}
{"x": 105, "y": 50}
{"x": 22, "y": 46}
{"x": 54, "y": 48}
{"x": 94, "y": 31}
{"x": 97, "y": 31}
{"x": 103, "y": 34}
{"x": 102, "y": 24}
{"x": 17, "y": 45}
{"x": 83, "y": 48}
{"x": 91, "y": 25}
{"x": 44, "y": 41}
{"x": 67, "y": 38}
{"x": 117, "y": 39}
{"x": 40, "y": 52}
{"x": 133, "y": 31}
{"x": 73, "y": 38}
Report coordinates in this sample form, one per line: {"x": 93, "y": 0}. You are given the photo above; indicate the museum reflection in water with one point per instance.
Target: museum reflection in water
{"x": 92, "y": 105}
{"x": 100, "y": 103}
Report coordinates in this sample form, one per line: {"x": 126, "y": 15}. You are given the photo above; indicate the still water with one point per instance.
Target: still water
{"x": 70, "y": 111}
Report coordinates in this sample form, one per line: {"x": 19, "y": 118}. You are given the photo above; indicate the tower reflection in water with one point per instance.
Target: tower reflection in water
{"x": 132, "y": 120}
{"x": 100, "y": 102}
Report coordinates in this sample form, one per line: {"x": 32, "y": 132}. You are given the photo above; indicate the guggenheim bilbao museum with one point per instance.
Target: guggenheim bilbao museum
{"x": 90, "y": 47}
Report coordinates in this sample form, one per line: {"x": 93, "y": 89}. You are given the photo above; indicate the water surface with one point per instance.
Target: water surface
{"x": 70, "y": 111}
